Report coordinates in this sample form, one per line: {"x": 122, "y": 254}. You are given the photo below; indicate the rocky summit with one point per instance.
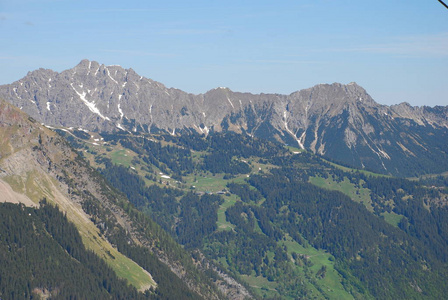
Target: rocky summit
{"x": 340, "y": 122}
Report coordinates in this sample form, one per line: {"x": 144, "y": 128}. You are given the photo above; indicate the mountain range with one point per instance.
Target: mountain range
{"x": 135, "y": 191}
{"x": 340, "y": 122}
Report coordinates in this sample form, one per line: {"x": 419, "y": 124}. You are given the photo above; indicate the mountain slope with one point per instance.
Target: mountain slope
{"x": 339, "y": 121}
{"x": 43, "y": 257}
{"x": 286, "y": 222}
{"x": 37, "y": 163}
{"x": 32, "y": 164}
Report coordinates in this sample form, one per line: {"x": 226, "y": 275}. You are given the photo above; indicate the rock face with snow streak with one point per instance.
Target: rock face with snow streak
{"x": 339, "y": 121}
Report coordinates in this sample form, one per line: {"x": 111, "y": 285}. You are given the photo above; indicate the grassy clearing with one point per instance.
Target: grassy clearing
{"x": 328, "y": 287}
{"x": 331, "y": 284}
{"x": 213, "y": 184}
{"x": 295, "y": 149}
{"x": 121, "y": 157}
{"x": 392, "y": 218}
{"x": 261, "y": 167}
{"x": 347, "y": 169}
{"x": 261, "y": 285}
{"x": 222, "y": 222}
{"x": 361, "y": 195}
{"x": 209, "y": 183}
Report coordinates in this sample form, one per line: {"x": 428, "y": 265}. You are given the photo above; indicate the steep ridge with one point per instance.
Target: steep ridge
{"x": 341, "y": 122}
{"x": 32, "y": 158}
{"x": 36, "y": 163}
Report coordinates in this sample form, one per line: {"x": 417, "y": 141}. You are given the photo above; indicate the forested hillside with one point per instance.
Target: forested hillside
{"x": 286, "y": 223}
{"x": 108, "y": 233}
{"x": 43, "y": 256}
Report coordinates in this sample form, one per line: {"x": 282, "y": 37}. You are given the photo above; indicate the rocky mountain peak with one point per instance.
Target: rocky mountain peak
{"x": 96, "y": 97}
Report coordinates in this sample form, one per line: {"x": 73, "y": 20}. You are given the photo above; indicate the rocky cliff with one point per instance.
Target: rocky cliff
{"x": 341, "y": 122}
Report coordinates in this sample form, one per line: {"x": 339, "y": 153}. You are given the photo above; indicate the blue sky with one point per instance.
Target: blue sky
{"x": 396, "y": 50}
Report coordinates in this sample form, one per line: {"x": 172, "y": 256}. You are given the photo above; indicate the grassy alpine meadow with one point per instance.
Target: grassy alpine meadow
{"x": 121, "y": 157}
{"x": 357, "y": 194}
{"x": 329, "y": 280}
{"x": 222, "y": 222}
{"x": 392, "y": 218}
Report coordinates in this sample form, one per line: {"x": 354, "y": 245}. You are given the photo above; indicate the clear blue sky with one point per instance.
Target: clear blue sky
{"x": 396, "y": 50}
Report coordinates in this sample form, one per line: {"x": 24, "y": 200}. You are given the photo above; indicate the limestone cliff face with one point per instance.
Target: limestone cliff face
{"x": 339, "y": 121}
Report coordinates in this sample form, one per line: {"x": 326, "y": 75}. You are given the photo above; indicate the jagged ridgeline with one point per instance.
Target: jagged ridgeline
{"x": 86, "y": 240}
{"x": 284, "y": 222}
{"x": 249, "y": 185}
{"x": 341, "y": 122}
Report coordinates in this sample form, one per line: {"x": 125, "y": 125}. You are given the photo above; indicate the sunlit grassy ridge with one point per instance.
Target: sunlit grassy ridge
{"x": 37, "y": 186}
